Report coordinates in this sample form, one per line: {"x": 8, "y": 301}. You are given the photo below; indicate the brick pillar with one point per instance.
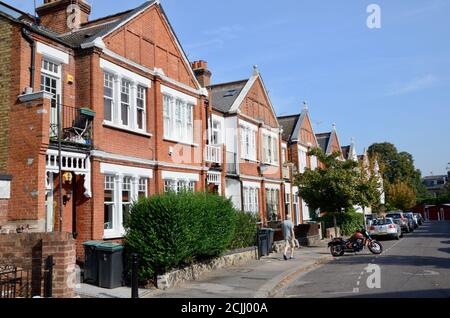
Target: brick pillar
{"x": 29, "y": 142}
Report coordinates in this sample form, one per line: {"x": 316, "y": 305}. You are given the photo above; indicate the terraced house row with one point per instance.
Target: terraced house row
{"x": 137, "y": 118}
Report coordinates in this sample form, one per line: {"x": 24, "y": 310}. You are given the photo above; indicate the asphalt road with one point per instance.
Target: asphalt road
{"x": 416, "y": 266}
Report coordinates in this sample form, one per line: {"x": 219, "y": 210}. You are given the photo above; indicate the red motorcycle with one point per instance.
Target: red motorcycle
{"x": 358, "y": 242}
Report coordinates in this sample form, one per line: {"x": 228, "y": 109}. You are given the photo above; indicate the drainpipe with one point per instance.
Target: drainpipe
{"x": 27, "y": 36}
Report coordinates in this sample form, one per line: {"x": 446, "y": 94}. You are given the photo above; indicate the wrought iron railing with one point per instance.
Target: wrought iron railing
{"x": 76, "y": 125}
{"x": 10, "y": 282}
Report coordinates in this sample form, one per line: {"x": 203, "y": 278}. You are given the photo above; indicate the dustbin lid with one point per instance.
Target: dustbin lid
{"x": 92, "y": 243}
{"x": 110, "y": 247}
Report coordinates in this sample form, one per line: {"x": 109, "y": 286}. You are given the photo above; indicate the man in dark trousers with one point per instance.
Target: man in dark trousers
{"x": 289, "y": 236}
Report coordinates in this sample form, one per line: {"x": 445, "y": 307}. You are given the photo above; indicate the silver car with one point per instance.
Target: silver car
{"x": 385, "y": 228}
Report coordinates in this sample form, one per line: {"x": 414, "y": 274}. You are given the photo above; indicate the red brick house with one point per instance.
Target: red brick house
{"x": 132, "y": 117}
{"x": 243, "y": 127}
{"x": 299, "y": 138}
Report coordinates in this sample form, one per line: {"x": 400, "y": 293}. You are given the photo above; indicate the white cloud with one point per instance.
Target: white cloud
{"x": 414, "y": 85}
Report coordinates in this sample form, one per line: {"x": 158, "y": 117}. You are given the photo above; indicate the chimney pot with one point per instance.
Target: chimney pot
{"x": 201, "y": 72}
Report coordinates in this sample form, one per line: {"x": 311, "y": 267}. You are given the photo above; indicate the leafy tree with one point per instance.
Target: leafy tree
{"x": 367, "y": 185}
{"x": 332, "y": 189}
{"x": 402, "y": 196}
{"x": 397, "y": 167}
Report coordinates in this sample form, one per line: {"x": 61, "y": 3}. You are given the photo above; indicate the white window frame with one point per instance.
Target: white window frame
{"x": 125, "y": 89}
{"x": 302, "y": 159}
{"x": 270, "y": 149}
{"x": 248, "y": 142}
{"x": 57, "y": 76}
{"x": 178, "y": 119}
{"x": 141, "y": 95}
{"x": 120, "y": 74}
{"x": 287, "y": 202}
{"x": 272, "y": 202}
{"x": 119, "y": 173}
{"x": 251, "y": 199}
{"x": 185, "y": 132}
{"x": 110, "y": 78}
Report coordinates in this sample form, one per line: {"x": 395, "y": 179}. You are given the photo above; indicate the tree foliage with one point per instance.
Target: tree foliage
{"x": 397, "y": 167}
{"x": 401, "y": 196}
{"x": 332, "y": 188}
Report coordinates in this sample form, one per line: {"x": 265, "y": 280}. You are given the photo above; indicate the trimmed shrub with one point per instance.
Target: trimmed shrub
{"x": 217, "y": 224}
{"x": 173, "y": 230}
{"x": 245, "y": 232}
{"x": 348, "y": 222}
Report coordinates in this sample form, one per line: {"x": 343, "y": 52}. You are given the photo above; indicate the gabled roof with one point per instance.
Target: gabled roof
{"x": 116, "y": 24}
{"x": 289, "y": 124}
{"x": 346, "y": 152}
{"x": 323, "y": 140}
{"x": 230, "y": 103}
{"x": 224, "y": 95}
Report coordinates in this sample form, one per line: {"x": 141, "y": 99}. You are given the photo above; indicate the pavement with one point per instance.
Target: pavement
{"x": 417, "y": 266}
{"x": 256, "y": 279}
{"x": 90, "y": 291}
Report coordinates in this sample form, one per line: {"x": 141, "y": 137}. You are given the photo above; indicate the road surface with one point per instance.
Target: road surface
{"x": 416, "y": 266}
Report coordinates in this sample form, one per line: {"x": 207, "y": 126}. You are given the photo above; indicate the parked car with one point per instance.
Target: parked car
{"x": 413, "y": 220}
{"x": 420, "y": 218}
{"x": 385, "y": 228}
{"x": 404, "y": 222}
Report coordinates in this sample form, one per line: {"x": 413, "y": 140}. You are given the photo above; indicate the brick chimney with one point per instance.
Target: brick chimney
{"x": 62, "y": 16}
{"x": 202, "y": 73}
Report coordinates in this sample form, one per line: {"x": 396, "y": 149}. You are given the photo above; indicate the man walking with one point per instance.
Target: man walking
{"x": 289, "y": 236}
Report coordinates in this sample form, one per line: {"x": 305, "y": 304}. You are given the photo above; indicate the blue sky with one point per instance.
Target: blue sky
{"x": 389, "y": 84}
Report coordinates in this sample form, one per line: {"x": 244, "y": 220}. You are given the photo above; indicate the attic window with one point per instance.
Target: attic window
{"x": 230, "y": 93}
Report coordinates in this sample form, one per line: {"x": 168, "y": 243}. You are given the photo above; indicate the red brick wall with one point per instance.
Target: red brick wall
{"x": 3, "y": 211}
{"x": 26, "y": 162}
{"x": 19, "y": 249}
{"x": 147, "y": 41}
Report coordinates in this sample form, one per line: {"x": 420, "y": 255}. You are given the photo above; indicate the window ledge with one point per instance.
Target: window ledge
{"x": 251, "y": 160}
{"x": 113, "y": 236}
{"x": 126, "y": 129}
{"x": 181, "y": 142}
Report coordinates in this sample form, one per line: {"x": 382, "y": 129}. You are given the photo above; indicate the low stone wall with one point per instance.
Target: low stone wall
{"x": 310, "y": 241}
{"x": 29, "y": 251}
{"x": 194, "y": 272}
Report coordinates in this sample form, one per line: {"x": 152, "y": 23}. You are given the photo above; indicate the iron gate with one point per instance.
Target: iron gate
{"x": 36, "y": 282}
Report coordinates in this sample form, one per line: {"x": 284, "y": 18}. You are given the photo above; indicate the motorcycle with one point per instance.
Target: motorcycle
{"x": 357, "y": 243}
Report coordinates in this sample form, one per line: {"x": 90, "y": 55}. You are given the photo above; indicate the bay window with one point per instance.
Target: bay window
{"x": 109, "y": 201}
{"x": 272, "y": 202}
{"x": 302, "y": 153}
{"x": 126, "y": 198}
{"x": 178, "y": 119}
{"x": 287, "y": 203}
{"x": 270, "y": 149}
{"x": 177, "y": 186}
{"x": 140, "y": 107}
{"x": 125, "y": 102}
{"x": 143, "y": 188}
{"x": 251, "y": 200}
{"x": 108, "y": 97}
{"x": 122, "y": 187}
{"x": 248, "y": 143}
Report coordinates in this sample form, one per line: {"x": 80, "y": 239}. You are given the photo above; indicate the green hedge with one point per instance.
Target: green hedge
{"x": 348, "y": 222}
{"x": 173, "y": 230}
{"x": 245, "y": 233}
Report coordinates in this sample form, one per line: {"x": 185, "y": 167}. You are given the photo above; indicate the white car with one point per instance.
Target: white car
{"x": 385, "y": 228}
